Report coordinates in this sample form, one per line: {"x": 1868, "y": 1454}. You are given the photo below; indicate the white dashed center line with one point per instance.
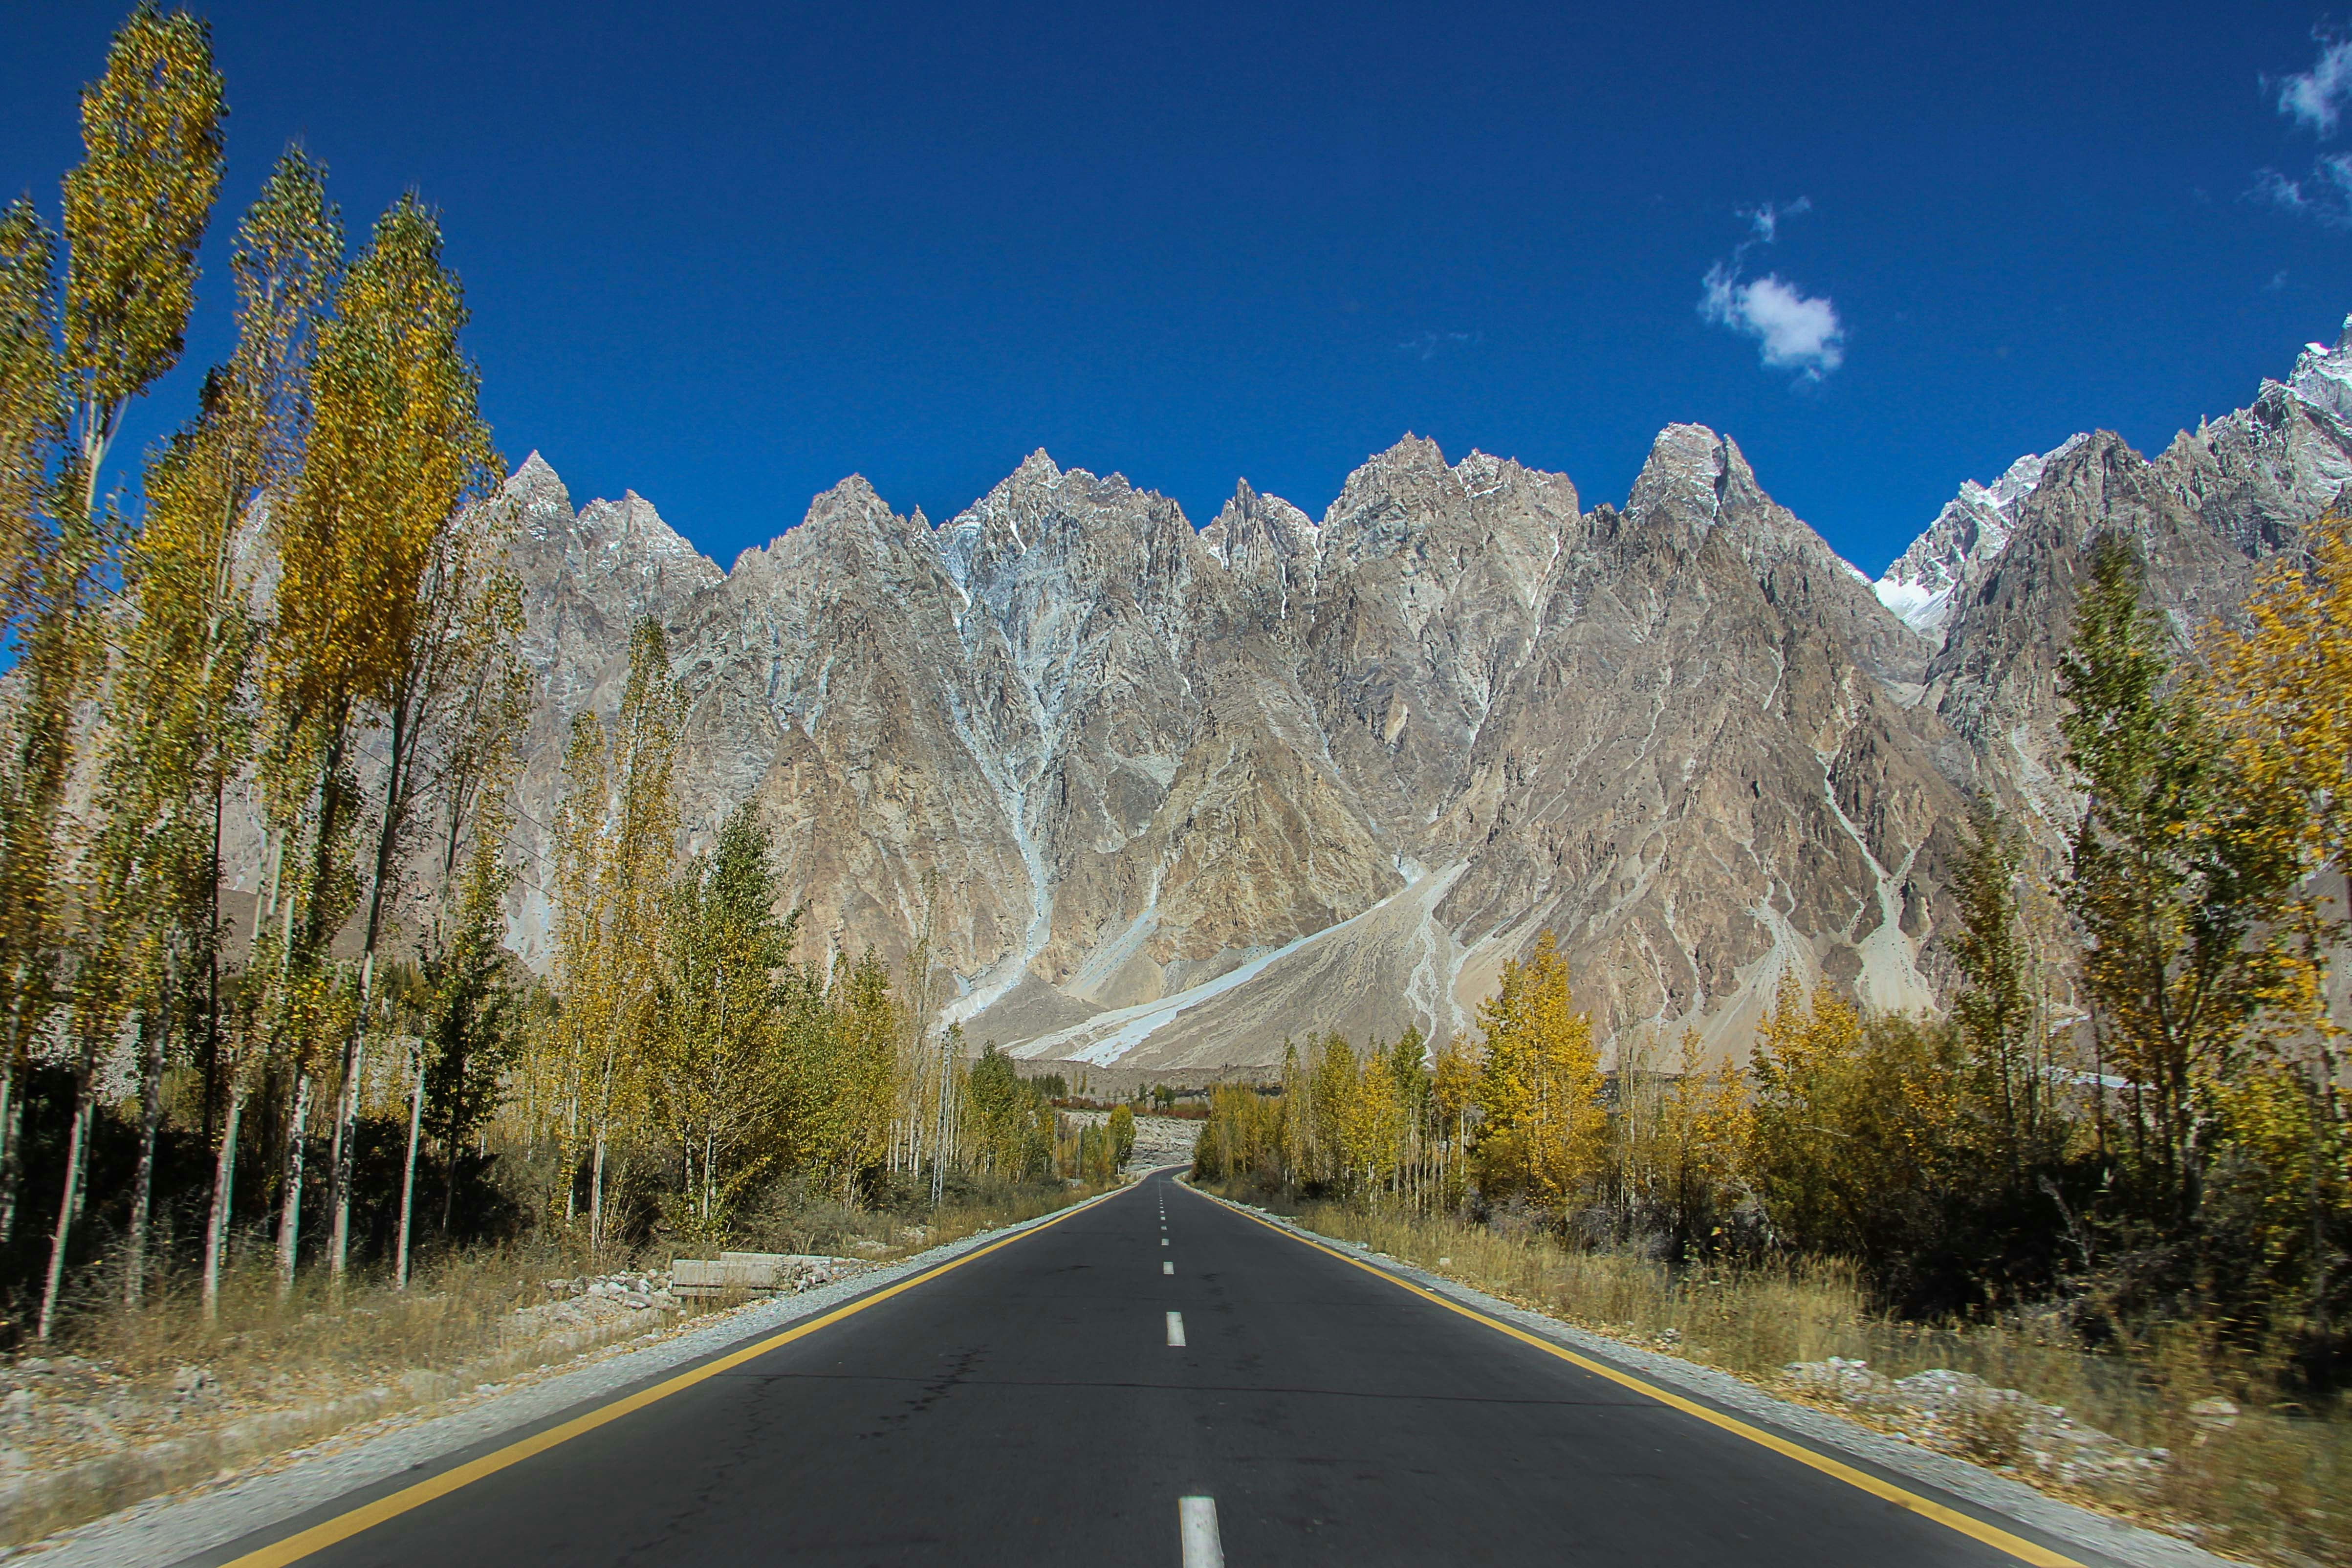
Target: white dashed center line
{"x": 1196, "y": 1526}
{"x": 1176, "y": 1331}
{"x": 1168, "y": 1268}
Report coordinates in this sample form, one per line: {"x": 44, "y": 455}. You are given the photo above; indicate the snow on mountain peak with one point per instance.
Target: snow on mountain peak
{"x": 1963, "y": 542}
{"x": 2323, "y": 375}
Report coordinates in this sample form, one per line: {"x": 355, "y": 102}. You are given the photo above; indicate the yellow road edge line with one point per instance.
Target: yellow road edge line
{"x": 2017, "y": 1546}
{"x": 343, "y": 1526}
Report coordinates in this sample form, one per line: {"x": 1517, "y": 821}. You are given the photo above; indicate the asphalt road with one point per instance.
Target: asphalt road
{"x": 1029, "y": 1406}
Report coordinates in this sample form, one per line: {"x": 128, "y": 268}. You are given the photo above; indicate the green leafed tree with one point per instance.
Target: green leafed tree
{"x": 722, "y": 1022}
{"x": 176, "y": 717}
{"x": 2176, "y": 888}
{"x": 392, "y": 594}
{"x": 32, "y": 433}
{"x": 135, "y": 211}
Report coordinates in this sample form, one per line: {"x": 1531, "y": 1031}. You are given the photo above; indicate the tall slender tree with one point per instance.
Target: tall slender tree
{"x": 32, "y": 433}
{"x": 135, "y": 210}
{"x": 1539, "y": 1084}
{"x": 402, "y": 467}
{"x": 720, "y": 1021}
{"x": 1997, "y": 1008}
{"x": 617, "y": 836}
{"x": 2174, "y": 884}
{"x": 469, "y": 1024}
{"x": 2282, "y": 682}
{"x": 176, "y": 720}
{"x": 382, "y": 596}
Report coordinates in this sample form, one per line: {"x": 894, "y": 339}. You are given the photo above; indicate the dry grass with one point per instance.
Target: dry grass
{"x": 449, "y": 1315}
{"x": 794, "y": 1218}
{"x": 127, "y": 1405}
{"x": 2274, "y": 1484}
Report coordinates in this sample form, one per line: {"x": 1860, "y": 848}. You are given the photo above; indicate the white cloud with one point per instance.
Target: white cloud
{"x": 1428, "y": 345}
{"x": 2317, "y": 98}
{"x": 2325, "y": 196}
{"x": 1766, "y": 219}
{"x": 1797, "y": 331}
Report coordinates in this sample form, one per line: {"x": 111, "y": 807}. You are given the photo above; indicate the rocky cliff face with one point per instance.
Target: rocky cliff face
{"x": 2205, "y": 514}
{"x": 1960, "y": 547}
{"x": 1171, "y": 795}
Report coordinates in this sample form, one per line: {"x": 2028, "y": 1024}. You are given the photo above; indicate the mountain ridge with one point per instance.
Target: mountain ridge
{"x": 1173, "y": 793}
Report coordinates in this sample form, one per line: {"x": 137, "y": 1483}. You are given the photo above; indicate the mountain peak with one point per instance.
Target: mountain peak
{"x": 1410, "y": 451}
{"x": 2323, "y": 375}
{"x": 533, "y": 480}
{"x": 1686, "y": 469}
{"x": 1251, "y": 519}
{"x": 1960, "y": 545}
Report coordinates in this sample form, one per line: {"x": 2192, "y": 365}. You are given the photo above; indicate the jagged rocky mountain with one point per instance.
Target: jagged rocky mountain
{"x": 1951, "y": 559}
{"x": 1175, "y": 795}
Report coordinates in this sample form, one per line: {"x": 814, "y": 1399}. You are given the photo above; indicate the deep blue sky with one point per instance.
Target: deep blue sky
{"x": 725, "y": 255}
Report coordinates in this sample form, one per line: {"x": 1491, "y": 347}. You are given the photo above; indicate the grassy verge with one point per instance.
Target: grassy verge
{"x": 896, "y": 1221}
{"x": 127, "y": 1405}
{"x": 2265, "y": 1483}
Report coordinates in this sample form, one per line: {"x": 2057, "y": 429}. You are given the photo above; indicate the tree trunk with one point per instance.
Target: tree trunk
{"x": 408, "y": 1170}
{"x": 570, "y": 1159}
{"x": 223, "y": 1191}
{"x": 290, "y": 1213}
{"x": 12, "y": 1126}
{"x": 16, "y": 1083}
{"x": 155, "y": 1034}
{"x": 596, "y": 1198}
{"x": 347, "y": 1110}
{"x": 76, "y": 1151}
{"x": 347, "y": 1116}
{"x": 449, "y": 1171}
{"x": 212, "y": 964}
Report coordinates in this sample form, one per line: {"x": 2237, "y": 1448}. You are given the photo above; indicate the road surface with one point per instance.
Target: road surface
{"x": 1154, "y": 1379}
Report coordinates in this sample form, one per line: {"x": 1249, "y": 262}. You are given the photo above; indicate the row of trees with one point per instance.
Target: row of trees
{"x": 302, "y": 604}
{"x": 1523, "y": 1120}
{"x": 296, "y": 639}
{"x": 685, "y": 1061}
{"x": 2136, "y": 1103}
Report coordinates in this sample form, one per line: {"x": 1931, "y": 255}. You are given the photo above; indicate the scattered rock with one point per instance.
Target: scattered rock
{"x": 1960, "y": 1413}
{"x": 2215, "y": 1414}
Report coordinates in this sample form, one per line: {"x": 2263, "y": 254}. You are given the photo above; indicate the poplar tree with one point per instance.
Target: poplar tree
{"x": 615, "y": 836}
{"x": 581, "y": 919}
{"x": 32, "y": 433}
{"x": 1542, "y": 1123}
{"x": 248, "y": 448}
{"x": 175, "y": 724}
{"x": 2283, "y": 682}
{"x": 386, "y": 593}
{"x": 721, "y": 1020}
{"x": 1997, "y": 1008}
{"x": 2174, "y": 883}
{"x": 467, "y": 1029}
{"x": 409, "y": 453}
{"x": 135, "y": 210}
{"x": 848, "y": 1097}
